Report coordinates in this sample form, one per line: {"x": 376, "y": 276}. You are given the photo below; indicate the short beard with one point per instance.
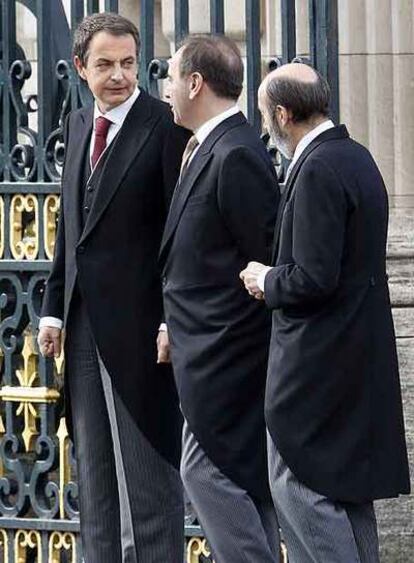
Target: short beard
{"x": 281, "y": 140}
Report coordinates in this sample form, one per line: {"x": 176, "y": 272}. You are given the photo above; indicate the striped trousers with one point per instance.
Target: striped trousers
{"x": 239, "y": 529}
{"x": 316, "y": 529}
{"x": 131, "y": 501}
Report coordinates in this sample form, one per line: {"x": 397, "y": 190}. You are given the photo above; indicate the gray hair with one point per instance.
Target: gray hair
{"x": 304, "y": 99}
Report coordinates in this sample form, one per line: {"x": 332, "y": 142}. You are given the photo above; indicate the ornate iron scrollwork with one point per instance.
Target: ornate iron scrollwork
{"x": 54, "y": 146}
{"x": 22, "y": 156}
{"x": 157, "y": 70}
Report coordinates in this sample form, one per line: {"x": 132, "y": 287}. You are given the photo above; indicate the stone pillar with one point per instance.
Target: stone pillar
{"x": 380, "y": 87}
{"x": 403, "y": 81}
{"x": 353, "y": 82}
{"x": 131, "y": 9}
{"x": 302, "y": 28}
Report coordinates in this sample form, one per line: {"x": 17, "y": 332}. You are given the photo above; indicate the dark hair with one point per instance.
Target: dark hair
{"x": 217, "y": 58}
{"x": 111, "y": 23}
{"x": 304, "y": 99}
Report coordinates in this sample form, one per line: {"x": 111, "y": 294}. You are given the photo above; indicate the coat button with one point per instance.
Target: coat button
{"x": 164, "y": 280}
{"x": 86, "y": 209}
{"x": 372, "y": 281}
{"x": 90, "y": 188}
{"x": 81, "y": 249}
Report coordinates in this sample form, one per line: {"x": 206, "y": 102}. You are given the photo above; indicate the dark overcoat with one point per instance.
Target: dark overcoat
{"x": 221, "y": 217}
{"x": 112, "y": 259}
{"x": 333, "y": 402}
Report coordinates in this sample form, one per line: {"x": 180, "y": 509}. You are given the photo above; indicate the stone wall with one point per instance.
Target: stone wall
{"x": 376, "y": 42}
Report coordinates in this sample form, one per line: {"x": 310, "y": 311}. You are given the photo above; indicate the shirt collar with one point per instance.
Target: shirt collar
{"x": 204, "y": 131}
{"x": 309, "y": 137}
{"x": 118, "y": 114}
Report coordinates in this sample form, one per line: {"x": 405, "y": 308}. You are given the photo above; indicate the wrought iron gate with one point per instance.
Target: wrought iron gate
{"x": 39, "y": 514}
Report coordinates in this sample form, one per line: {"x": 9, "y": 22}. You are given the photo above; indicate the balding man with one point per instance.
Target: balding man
{"x": 333, "y": 404}
{"x": 222, "y": 213}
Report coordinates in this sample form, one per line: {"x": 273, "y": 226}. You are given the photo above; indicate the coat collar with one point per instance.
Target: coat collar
{"x": 333, "y": 134}
{"x": 200, "y": 160}
{"x": 122, "y": 153}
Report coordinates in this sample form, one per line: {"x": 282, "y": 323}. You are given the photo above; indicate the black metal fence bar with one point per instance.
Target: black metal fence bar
{"x": 288, "y": 13}
{"x": 111, "y": 5}
{"x": 217, "y": 16}
{"x": 323, "y": 27}
{"x": 45, "y": 80}
{"x": 147, "y": 38}
{"x": 253, "y": 52}
{"x": 92, "y": 6}
{"x": 181, "y": 20}
{"x": 76, "y": 12}
{"x": 9, "y": 55}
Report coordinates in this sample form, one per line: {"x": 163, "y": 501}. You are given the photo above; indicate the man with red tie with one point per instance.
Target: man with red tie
{"x": 122, "y": 161}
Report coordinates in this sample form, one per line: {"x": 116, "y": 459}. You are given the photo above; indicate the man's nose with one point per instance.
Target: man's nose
{"x": 117, "y": 73}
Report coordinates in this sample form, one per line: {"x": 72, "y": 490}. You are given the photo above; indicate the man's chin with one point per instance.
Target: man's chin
{"x": 114, "y": 99}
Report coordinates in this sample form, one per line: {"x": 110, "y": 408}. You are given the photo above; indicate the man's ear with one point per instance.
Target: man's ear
{"x": 282, "y": 115}
{"x": 196, "y": 82}
{"x": 79, "y": 67}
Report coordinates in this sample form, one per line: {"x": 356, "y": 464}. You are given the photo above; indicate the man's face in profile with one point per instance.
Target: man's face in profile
{"x": 270, "y": 121}
{"x": 110, "y": 68}
{"x": 177, "y": 91}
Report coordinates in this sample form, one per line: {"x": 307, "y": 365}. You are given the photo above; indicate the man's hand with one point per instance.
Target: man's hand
{"x": 49, "y": 341}
{"x": 163, "y": 347}
{"x": 249, "y": 277}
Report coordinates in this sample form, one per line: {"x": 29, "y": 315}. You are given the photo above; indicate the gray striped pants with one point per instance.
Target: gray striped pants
{"x": 131, "y": 501}
{"x": 238, "y": 528}
{"x": 315, "y": 529}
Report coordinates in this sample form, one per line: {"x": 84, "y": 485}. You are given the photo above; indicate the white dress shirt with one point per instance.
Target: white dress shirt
{"x": 301, "y": 146}
{"x": 117, "y": 117}
{"x": 204, "y": 131}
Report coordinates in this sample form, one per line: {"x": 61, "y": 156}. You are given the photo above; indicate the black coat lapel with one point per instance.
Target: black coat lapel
{"x": 194, "y": 170}
{"x": 74, "y": 166}
{"x": 123, "y": 152}
{"x": 334, "y": 133}
{"x": 179, "y": 200}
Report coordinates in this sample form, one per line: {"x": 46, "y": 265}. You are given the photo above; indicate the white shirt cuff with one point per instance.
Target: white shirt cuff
{"x": 163, "y": 327}
{"x": 51, "y": 321}
{"x": 261, "y": 278}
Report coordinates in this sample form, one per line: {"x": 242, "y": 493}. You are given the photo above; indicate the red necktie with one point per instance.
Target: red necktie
{"x": 101, "y": 131}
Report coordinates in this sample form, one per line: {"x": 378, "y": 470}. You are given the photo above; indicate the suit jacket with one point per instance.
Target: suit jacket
{"x": 333, "y": 403}
{"x": 222, "y": 216}
{"x": 113, "y": 259}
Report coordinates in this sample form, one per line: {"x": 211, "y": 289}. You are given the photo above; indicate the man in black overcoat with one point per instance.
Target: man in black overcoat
{"x": 333, "y": 402}
{"x": 222, "y": 213}
{"x": 122, "y": 161}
